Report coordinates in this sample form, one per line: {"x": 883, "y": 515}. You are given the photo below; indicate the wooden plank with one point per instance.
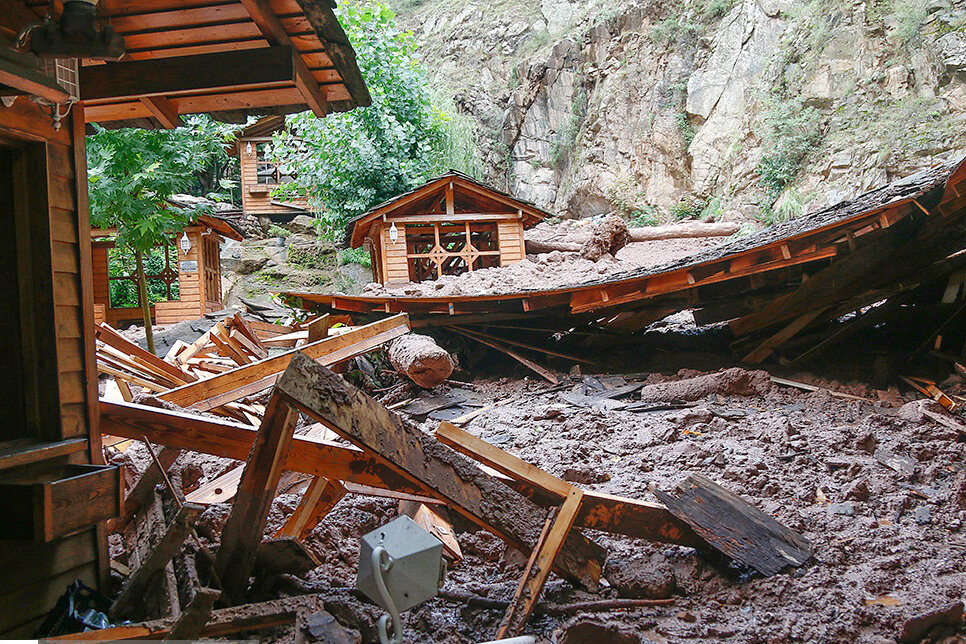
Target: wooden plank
{"x": 502, "y": 461}
{"x": 435, "y": 522}
{"x": 219, "y": 71}
{"x": 533, "y": 366}
{"x": 321, "y": 496}
{"x": 534, "y": 578}
{"x": 318, "y": 329}
{"x": 112, "y": 338}
{"x": 195, "y": 615}
{"x": 25, "y": 451}
{"x": 166, "y": 548}
{"x": 249, "y": 513}
{"x": 329, "y": 351}
{"x": 766, "y": 348}
{"x": 143, "y": 490}
{"x": 735, "y": 527}
{"x": 355, "y": 416}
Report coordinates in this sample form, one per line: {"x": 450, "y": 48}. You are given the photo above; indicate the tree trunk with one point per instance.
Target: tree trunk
{"x": 145, "y": 302}
{"x": 420, "y": 359}
{"x": 572, "y": 242}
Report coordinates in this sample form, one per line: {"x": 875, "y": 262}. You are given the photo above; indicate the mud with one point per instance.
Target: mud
{"x": 877, "y": 487}
{"x": 606, "y": 238}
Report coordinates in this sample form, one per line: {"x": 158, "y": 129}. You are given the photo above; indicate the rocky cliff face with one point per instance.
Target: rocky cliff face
{"x": 741, "y": 109}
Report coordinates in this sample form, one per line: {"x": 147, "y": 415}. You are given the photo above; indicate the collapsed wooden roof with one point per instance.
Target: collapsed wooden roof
{"x": 774, "y": 283}
{"x": 472, "y": 197}
{"x": 227, "y": 58}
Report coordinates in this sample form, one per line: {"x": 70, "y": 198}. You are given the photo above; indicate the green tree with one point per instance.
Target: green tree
{"x": 132, "y": 174}
{"x": 351, "y": 161}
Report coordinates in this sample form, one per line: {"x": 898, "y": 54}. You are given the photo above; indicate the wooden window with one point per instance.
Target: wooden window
{"x": 268, "y": 170}
{"x": 160, "y": 269}
{"x": 451, "y": 248}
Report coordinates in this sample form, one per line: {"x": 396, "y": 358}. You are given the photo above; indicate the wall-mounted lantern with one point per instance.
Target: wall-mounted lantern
{"x": 393, "y": 233}
{"x": 185, "y": 243}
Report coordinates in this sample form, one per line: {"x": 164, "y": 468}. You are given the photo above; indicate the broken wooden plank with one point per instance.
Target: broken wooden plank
{"x": 534, "y": 578}
{"x": 318, "y": 500}
{"x": 735, "y": 527}
{"x": 326, "y": 397}
{"x": 436, "y": 523}
{"x": 112, "y": 338}
{"x": 249, "y": 512}
{"x": 195, "y": 616}
{"x": 143, "y": 490}
{"x": 230, "y": 385}
{"x": 318, "y": 329}
{"x": 605, "y": 512}
{"x": 167, "y": 547}
{"x": 529, "y": 364}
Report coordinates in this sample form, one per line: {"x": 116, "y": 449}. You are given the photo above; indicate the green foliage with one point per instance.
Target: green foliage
{"x": 687, "y": 130}
{"x": 715, "y": 9}
{"x": 687, "y": 208}
{"x": 351, "y": 161}
{"x": 790, "y": 205}
{"x": 315, "y": 255}
{"x": 671, "y": 30}
{"x": 275, "y": 230}
{"x": 646, "y": 216}
{"x": 132, "y": 174}
{"x": 124, "y": 292}
{"x": 792, "y": 132}
{"x": 565, "y": 140}
{"x": 219, "y": 177}
{"x": 910, "y": 16}
{"x": 713, "y": 209}
{"x": 355, "y": 256}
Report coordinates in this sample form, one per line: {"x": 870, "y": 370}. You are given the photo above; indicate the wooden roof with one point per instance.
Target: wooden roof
{"x": 229, "y": 58}
{"x": 772, "y": 260}
{"x": 471, "y": 197}
{"x": 218, "y": 224}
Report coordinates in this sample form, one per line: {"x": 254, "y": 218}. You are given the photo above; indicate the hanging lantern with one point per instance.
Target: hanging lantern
{"x": 393, "y": 233}
{"x": 185, "y": 243}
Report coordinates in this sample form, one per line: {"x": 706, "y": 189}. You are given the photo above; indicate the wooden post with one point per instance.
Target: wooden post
{"x": 249, "y": 513}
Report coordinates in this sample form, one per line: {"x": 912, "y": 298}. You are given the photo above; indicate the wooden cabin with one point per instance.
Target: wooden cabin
{"x": 183, "y": 56}
{"x": 450, "y": 225}
{"x": 261, "y": 173}
{"x": 191, "y": 280}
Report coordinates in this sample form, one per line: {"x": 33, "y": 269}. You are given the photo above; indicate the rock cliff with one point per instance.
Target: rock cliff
{"x": 662, "y": 109}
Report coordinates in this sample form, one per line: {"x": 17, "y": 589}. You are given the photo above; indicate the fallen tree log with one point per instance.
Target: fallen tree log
{"x": 574, "y": 241}
{"x": 420, "y": 359}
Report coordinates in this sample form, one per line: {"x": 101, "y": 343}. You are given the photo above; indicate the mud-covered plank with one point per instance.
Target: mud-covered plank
{"x": 735, "y": 527}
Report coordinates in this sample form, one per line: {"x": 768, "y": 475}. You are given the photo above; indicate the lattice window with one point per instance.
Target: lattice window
{"x": 160, "y": 271}
{"x": 434, "y": 250}
{"x": 267, "y": 167}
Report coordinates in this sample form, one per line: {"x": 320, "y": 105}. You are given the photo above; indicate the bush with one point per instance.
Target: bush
{"x": 646, "y": 216}
{"x": 687, "y": 130}
{"x": 793, "y": 131}
{"x": 355, "y": 256}
{"x": 277, "y": 231}
{"x": 687, "y": 208}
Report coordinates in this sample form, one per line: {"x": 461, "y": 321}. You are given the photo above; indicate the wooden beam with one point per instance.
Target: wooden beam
{"x": 195, "y": 615}
{"x": 216, "y": 72}
{"x": 355, "y": 416}
{"x": 166, "y": 548}
{"x": 599, "y": 511}
{"x": 163, "y": 110}
{"x": 143, "y": 490}
{"x": 112, "y": 338}
{"x": 249, "y": 513}
{"x": 265, "y": 372}
{"x": 529, "y": 364}
{"x": 318, "y": 500}
{"x": 268, "y": 23}
{"x": 534, "y": 578}
{"x": 31, "y": 81}
{"x": 766, "y": 348}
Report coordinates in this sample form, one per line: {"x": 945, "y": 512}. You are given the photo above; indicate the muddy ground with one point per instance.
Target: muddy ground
{"x": 878, "y": 487}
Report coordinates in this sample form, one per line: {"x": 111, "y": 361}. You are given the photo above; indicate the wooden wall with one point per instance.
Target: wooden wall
{"x": 33, "y": 575}
{"x": 260, "y": 202}
{"x": 194, "y": 301}
{"x": 393, "y": 264}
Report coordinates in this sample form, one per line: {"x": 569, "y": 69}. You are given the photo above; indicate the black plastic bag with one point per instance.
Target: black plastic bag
{"x": 79, "y": 609}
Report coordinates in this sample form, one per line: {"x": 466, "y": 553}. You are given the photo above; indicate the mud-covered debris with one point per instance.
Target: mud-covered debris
{"x": 582, "y": 630}
{"x": 917, "y": 628}
{"x": 641, "y": 577}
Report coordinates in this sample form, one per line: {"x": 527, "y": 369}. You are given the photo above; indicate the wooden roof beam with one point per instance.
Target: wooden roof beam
{"x": 242, "y": 69}
{"x": 163, "y": 110}
{"x": 270, "y": 26}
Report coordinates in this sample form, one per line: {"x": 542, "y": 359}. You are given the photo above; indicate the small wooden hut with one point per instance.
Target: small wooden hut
{"x": 261, "y": 173}
{"x": 192, "y": 279}
{"x": 450, "y": 225}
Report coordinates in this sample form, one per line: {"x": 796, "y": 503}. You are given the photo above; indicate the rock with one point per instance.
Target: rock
{"x": 912, "y": 412}
{"x": 323, "y": 627}
{"x": 585, "y": 475}
{"x": 857, "y": 491}
{"x": 584, "y": 630}
{"x": 843, "y": 509}
{"x": 302, "y": 224}
{"x": 917, "y": 628}
{"x": 922, "y": 515}
{"x": 866, "y": 441}
{"x": 641, "y": 577}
